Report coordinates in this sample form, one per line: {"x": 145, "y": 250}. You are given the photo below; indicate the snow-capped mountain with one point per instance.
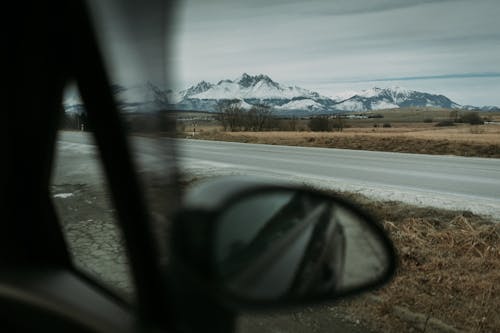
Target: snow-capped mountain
{"x": 195, "y": 90}
{"x": 248, "y": 87}
{"x": 391, "y": 98}
{"x": 251, "y": 90}
{"x": 486, "y": 108}
{"x": 261, "y": 88}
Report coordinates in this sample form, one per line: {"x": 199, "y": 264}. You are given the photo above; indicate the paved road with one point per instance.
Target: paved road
{"x": 443, "y": 181}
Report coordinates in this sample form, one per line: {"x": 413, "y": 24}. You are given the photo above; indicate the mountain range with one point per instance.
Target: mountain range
{"x": 292, "y": 100}
{"x": 261, "y": 88}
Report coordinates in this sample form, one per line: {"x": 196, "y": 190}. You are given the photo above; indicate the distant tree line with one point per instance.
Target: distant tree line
{"x": 326, "y": 124}
{"x": 471, "y": 117}
{"x": 233, "y": 117}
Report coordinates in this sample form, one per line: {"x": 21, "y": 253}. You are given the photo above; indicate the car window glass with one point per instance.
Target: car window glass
{"x": 83, "y": 203}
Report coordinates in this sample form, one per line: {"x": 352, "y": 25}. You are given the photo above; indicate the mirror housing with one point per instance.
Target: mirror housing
{"x": 255, "y": 244}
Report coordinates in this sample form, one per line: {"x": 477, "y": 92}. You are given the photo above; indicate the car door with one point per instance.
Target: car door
{"x": 50, "y": 44}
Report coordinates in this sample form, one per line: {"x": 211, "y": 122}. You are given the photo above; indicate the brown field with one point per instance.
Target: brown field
{"x": 461, "y": 140}
{"x": 417, "y": 115}
{"x": 410, "y": 132}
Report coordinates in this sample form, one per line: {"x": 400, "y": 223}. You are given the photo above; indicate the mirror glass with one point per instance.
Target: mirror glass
{"x": 289, "y": 244}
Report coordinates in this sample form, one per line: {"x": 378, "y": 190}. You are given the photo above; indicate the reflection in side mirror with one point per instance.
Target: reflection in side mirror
{"x": 283, "y": 244}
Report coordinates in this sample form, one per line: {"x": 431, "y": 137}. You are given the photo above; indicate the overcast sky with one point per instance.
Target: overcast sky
{"x": 450, "y": 47}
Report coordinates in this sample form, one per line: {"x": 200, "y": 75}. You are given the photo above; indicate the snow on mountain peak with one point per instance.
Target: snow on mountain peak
{"x": 372, "y": 92}
{"x": 246, "y": 80}
{"x": 394, "y": 92}
{"x": 252, "y": 87}
{"x": 197, "y": 89}
{"x": 395, "y": 97}
{"x": 302, "y": 104}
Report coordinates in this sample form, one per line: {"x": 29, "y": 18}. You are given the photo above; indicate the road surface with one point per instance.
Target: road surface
{"x": 462, "y": 183}
{"x": 444, "y": 181}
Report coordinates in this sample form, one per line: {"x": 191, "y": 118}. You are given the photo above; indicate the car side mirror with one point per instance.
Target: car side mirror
{"x": 273, "y": 245}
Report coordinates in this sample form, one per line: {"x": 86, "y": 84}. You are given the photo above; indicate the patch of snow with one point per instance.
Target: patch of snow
{"x": 401, "y": 91}
{"x": 350, "y": 105}
{"x": 368, "y": 93}
{"x": 342, "y": 96}
{"x": 176, "y": 97}
{"x": 379, "y": 105}
{"x": 302, "y": 104}
{"x": 489, "y": 108}
{"x": 63, "y": 195}
{"x": 245, "y": 105}
{"x": 397, "y": 93}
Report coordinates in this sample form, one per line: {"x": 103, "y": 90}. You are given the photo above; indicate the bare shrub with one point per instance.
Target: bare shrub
{"x": 258, "y": 118}
{"x": 235, "y": 118}
{"x": 230, "y": 114}
{"x": 320, "y": 124}
{"x": 338, "y": 124}
{"x": 472, "y": 118}
{"x": 454, "y": 116}
{"x": 291, "y": 124}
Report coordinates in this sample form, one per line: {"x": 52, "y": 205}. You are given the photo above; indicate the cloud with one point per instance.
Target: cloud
{"x": 435, "y": 77}
{"x": 355, "y": 7}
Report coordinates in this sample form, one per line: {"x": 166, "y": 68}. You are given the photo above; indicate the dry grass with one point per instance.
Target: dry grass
{"x": 449, "y": 269}
{"x": 464, "y": 140}
{"x": 489, "y": 134}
